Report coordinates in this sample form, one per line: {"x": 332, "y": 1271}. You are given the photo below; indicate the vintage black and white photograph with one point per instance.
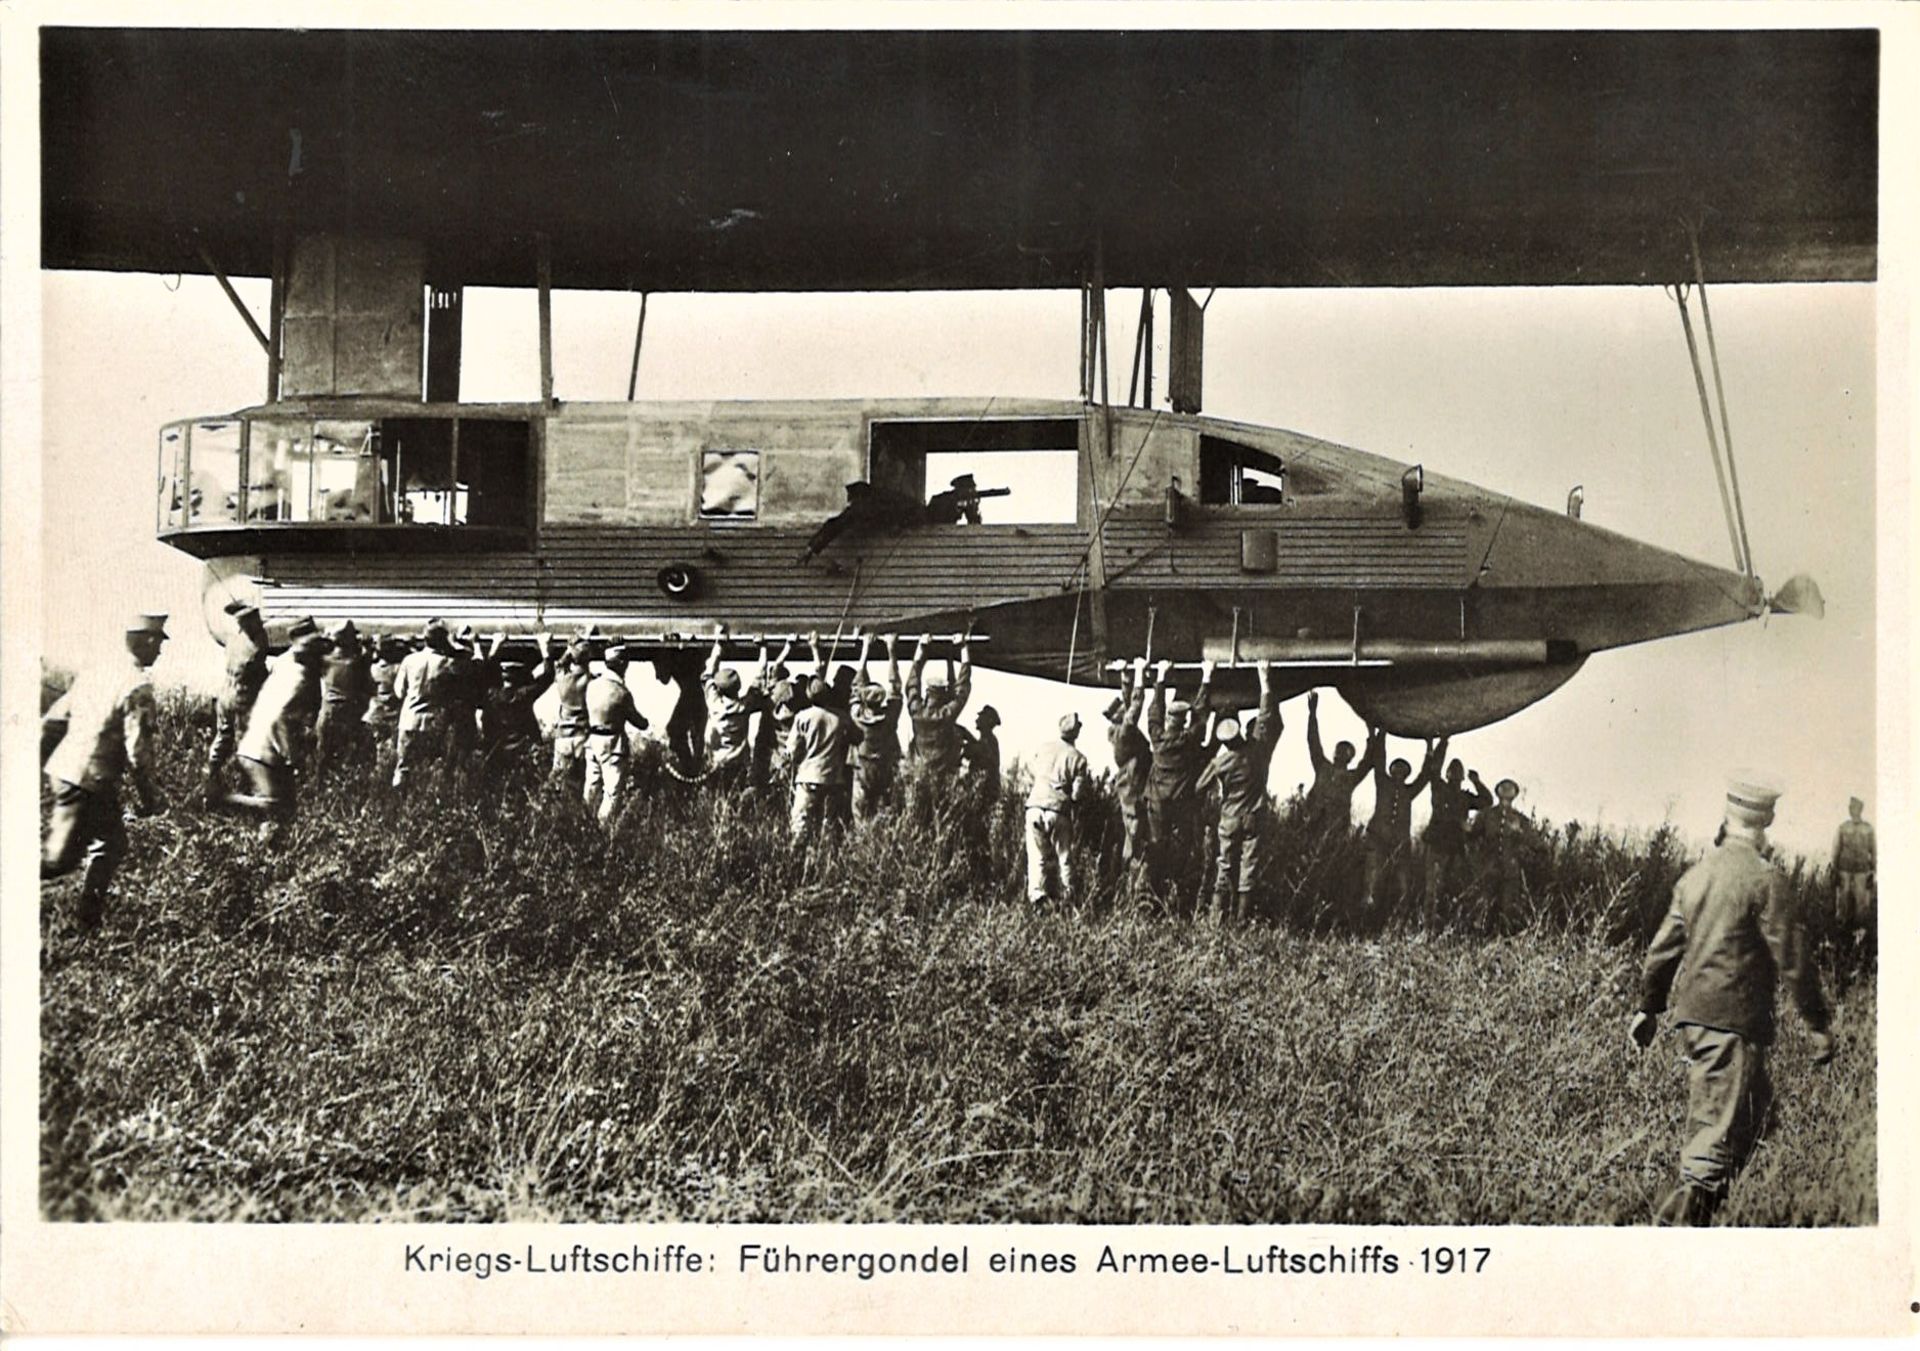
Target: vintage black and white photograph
{"x": 959, "y": 626}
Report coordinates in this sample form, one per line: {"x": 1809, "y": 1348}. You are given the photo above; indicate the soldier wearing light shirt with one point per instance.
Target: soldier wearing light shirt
{"x": 610, "y": 712}
{"x": 427, "y": 686}
{"x": 1059, "y": 782}
{"x": 106, "y": 715}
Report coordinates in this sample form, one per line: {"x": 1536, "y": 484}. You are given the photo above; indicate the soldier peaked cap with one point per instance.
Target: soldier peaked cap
{"x": 1228, "y": 730}
{"x": 154, "y": 624}
{"x": 1114, "y": 709}
{"x": 236, "y": 606}
{"x": 727, "y": 682}
{"x": 302, "y": 627}
{"x": 1750, "y": 798}
{"x": 1069, "y": 724}
{"x": 988, "y": 713}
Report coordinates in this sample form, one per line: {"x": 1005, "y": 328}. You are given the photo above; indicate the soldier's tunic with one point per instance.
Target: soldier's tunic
{"x": 246, "y": 668}
{"x": 1446, "y": 834}
{"x": 609, "y": 711}
{"x": 818, "y": 748}
{"x": 570, "y": 719}
{"x": 1729, "y": 936}
{"x": 279, "y": 731}
{"x": 983, "y": 754}
{"x": 1059, "y": 781}
{"x": 1132, "y": 766}
{"x": 1173, "y": 808}
{"x": 1507, "y": 835}
{"x": 876, "y": 753}
{"x": 382, "y": 717}
{"x": 936, "y": 729}
{"x": 729, "y": 731}
{"x": 1390, "y": 832}
{"x": 509, "y": 728}
{"x": 1240, "y": 770}
{"x": 346, "y": 690}
{"x": 426, "y": 687}
{"x": 107, "y": 712}
{"x": 1329, "y": 801}
{"x": 1853, "y": 867}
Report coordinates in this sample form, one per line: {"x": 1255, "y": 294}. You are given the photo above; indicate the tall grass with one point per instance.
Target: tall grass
{"x": 466, "y": 1002}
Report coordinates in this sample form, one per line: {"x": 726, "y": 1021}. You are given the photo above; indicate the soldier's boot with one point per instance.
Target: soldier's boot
{"x": 1688, "y": 1206}
{"x": 1242, "y": 907}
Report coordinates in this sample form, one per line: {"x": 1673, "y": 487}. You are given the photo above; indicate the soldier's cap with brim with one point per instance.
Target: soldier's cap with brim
{"x": 988, "y": 714}
{"x": 302, "y": 627}
{"x": 391, "y": 643}
{"x": 1227, "y": 732}
{"x": 1855, "y": 804}
{"x": 874, "y": 697}
{"x": 1506, "y": 788}
{"x": 1114, "y": 709}
{"x": 433, "y": 628}
{"x": 343, "y": 630}
{"x": 962, "y": 481}
{"x": 1069, "y": 724}
{"x": 237, "y": 607}
{"x": 615, "y": 655}
{"x": 1750, "y": 798}
{"x": 513, "y": 669}
{"x": 155, "y": 624}
{"x": 727, "y": 682}
{"x": 1179, "y": 706}
{"x": 310, "y": 645}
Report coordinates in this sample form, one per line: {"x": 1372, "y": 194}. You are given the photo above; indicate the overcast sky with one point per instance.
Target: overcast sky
{"x": 1524, "y": 391}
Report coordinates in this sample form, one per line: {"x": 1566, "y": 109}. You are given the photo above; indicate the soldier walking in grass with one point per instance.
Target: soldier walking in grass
{"x": 426, "y": 685}
{"x": 818, "y": 746}
{"x": 1059, "y": 783}
{"x": 106, "y": 715}
{"x": 1854, "y": 867}
{"x": 346, "y": 687}
{"x": 1177, "y": 737}
{"x": 246, "y": 648}
{"x": 1446, "y": 834}
{"x": 1239, "y": 769}
{"x": 610, "y": 712}
{"x": 1329, "y": 802}
{"x": 876, "y": 728}
{"x": 1730, "y": 934}
{"x": 280, "y": 736}
{"x": 1390, "y": 830}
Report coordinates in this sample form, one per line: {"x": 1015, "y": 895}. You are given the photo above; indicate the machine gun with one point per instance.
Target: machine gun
{"x": 960, "y": 502}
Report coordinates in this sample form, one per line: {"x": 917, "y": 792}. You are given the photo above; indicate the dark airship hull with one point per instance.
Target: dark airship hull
{"x": 1186, "y": 538}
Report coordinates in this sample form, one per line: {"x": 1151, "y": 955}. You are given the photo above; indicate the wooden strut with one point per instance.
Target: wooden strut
{"x": 543, "y": 268}
{"x": 253, "y": 325}
{"x": 639, "y": 332}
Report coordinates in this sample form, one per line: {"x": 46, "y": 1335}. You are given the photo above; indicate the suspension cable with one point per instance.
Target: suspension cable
{"x": 1679, "y": 294}
{"x": 1720, "y": 392}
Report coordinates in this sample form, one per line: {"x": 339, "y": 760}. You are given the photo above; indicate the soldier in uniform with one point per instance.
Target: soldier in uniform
{"x": 770, "y": 729}
{"x": 983, "y": 752}
{"x": 1854, "y": 865}
{"x": 1180, "y": 747}
{"x": 280, "y": 731}
{"x": 876, "y": 727}
{"x": 1132, "y": 765}
{"x": 572, "y": 674}
{"x": 246, "y": 668}
{"x": 1059, "y": 784}
{"x": 818, "y": 746}
{"x": 934, "y": 711}
{"x": 731, "y": 704}
{"x": 1446, "y": 834}
{"x": 382, "y": 718}
{"x": 1390, "y": 830}
{"x": 346, "y": 687}
{"x": 1730, "y": 934}
{"x": 426, "y": 687}
{"x": 106, "y": 715}
{"x": 687, "y": 724}
{"x": 1329, "y": 803}
{"x": 509, "y": 728}
{"x": 1239, "y": 767}
{"x": 610, "y": 712}
{"x": 1507, "y": 837}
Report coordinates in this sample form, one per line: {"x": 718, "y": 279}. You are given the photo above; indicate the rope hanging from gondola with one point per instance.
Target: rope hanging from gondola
{"x": 1725, "y": 475}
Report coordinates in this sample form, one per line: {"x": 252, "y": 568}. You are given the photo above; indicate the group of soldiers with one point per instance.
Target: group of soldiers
{"x": 1730, "y": 936}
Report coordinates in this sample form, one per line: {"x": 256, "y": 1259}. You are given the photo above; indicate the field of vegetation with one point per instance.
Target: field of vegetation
{"x": 467, "y": 1004}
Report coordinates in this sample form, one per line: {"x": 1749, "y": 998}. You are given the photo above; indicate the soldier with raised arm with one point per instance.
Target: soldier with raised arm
{"x": 935, "y": 713}
{"x": 246, "y": 661}
{"x": 1132, "y": 764}
{"x": 818, "y": 745}
{"x": 573, "y": 672}
{"x": 731, "y": 704}
{"x": 1730, "y": 935}
{"x": 1239, "y": 770}
{"x": 426, "y": 687}
{"x": 1508, "y": 837}
{"x": 1390, "y": 830}
{"x": 610, "y": 712}
{"x": 346, "y": 686}
{"x": 876, "y": 726}
{"x": 382, "y": 717}
{"x": 1329, "y": 801}
{"x": 1059, "y": 784}
{"x": 1178, "y": 740}
{"x": 767, "y": 768}
{"x": 509, "y": 728}
{"x": 982, "y": 750}
{"x": 1446, "y": 834}
{"x": 106, "y": 715}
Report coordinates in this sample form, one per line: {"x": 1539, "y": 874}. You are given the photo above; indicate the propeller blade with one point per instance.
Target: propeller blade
{"x": 1800, "y": 596}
